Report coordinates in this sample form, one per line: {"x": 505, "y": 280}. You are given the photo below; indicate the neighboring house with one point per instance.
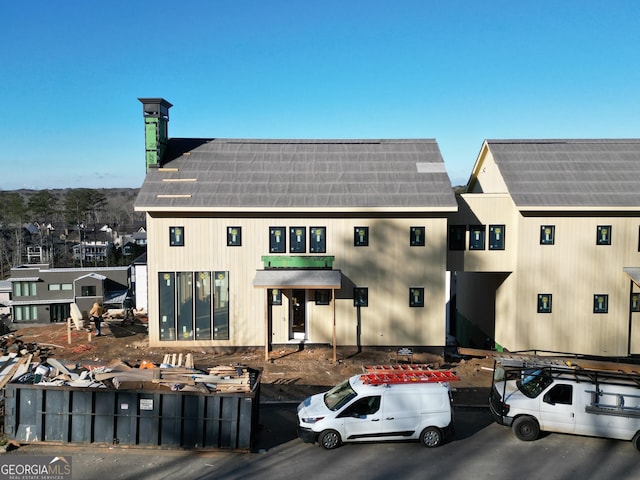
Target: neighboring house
{"x": 5, "y": 297}
{"x": 93, "y": 248}
{"x": 43, "y": 295}
{"x": 134, "y": 243}
{"x": 129, "y": 234}
{"x": 546, "y": 247}
{"x": 37, "y": 254}
{"x": 262, "y": 242}
{"x": 139, "y": 282}
{"x": 38, "y": 243}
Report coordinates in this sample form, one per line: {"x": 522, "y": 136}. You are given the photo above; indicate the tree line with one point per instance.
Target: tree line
{"x": 65, "y": 209}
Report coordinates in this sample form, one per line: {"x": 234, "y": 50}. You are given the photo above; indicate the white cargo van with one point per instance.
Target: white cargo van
{"x": 384, "y": 403}
{"x": 535, "y": 395}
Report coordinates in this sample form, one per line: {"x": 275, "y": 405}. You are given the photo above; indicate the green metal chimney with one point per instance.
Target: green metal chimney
{"x": 156, "y": 132}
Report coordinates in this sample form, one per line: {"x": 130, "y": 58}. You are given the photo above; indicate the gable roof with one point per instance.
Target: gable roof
{"x": 298, "y": 175}
{"x": 570, "y": 173}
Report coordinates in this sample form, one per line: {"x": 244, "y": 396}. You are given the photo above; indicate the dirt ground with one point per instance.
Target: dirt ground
{"x": 291, "y": 373}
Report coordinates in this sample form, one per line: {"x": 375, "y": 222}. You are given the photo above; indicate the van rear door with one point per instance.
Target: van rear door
{"x": 557, "y": 409}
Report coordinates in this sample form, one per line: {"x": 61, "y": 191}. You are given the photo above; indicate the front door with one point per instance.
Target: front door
{"x": 298, "y": 314}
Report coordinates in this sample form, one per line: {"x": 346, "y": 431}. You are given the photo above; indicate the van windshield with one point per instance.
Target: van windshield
{"x": 339, "y": 395}
{"x": 534, "y": 383}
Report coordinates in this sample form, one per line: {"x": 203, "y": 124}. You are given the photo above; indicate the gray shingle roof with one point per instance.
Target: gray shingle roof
{"x": 209, "y": 174}
{"x": 570, "y": 173}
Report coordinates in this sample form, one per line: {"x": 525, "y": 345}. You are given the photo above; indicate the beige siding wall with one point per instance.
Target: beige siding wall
{"x": 486, "y": 210}
{"x": 573, "y": 270}
{"x": 388, "y": 267}
{"x": 488, "y": 177}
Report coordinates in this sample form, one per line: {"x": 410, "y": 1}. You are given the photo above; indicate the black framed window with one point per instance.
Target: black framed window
{"x": 457, "y": 236}
{"x": 167, "y": 305}
{"x": 221, "y": 306}
{"x": 547, "y": 234}
{"x": 277, "y": 240}
{"x": 88, "y": 291}
{"x": 476, "y": 237}
{"x": 323, "y": 297}
{"x": 416, "y": 297}
{"x": 361, "y": 297}
{"x": 634, "y": 304}
{"x": 600, "y": 303}
{"x": 275, "y": 296}
{"x": 202, "y": 304}
{"x": 193, "y": 305}
{"x": 361, "y": 236}
{"x": 496, "y": 237}
{"x": 176, "y": 236}
{"x": 544, "y": 302}
{"x": 318, "y": 239}
{"x": 417, "y": 236}
{"x": 234, "y": 236}
{"x": 298, "y": 239}
{"x": 604, "y": 235}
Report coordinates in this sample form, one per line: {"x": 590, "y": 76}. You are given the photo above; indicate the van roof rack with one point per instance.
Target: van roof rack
{"x": 525, "y": 360}
{"x": 398, "y": 374}
{"x": 581, "y": 369}
{"x": 545, "y": 358}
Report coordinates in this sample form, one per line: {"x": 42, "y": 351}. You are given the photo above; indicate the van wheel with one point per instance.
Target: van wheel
{"x": 526, "y": 428}
{"x": 636, "y": 440}
{"x": 431, "y": 437}
{"x": 329, "y": 439}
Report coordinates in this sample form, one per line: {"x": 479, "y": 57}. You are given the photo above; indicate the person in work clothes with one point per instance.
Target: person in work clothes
{"x": 96, "y": 316}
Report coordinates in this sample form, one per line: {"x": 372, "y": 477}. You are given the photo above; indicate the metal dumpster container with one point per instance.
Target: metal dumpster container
{"x": 141, "y": 418}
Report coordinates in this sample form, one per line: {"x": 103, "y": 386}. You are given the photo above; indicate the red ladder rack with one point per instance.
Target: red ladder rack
{"x": 392, "y": 374}
{"x": 397, "y": 368}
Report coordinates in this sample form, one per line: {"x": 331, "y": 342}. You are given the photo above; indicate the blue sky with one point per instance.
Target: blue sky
{"x": 457, "y": 71}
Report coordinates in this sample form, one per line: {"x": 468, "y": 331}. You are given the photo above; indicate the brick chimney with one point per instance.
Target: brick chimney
{"x": 156, "y": 132}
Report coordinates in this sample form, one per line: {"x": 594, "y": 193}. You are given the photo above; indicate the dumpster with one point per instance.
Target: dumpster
{"x": 157, "y": 418}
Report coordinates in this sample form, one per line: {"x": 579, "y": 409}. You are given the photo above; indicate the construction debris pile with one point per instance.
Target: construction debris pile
{"x": 34, "y": 364}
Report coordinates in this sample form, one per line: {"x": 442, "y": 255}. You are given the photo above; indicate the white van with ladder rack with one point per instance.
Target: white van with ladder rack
{"x": 534, "y": 393}
{"x": 396, "y": 402}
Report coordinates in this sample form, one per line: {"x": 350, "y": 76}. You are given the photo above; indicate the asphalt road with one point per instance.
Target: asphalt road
{"x": 481, "y": 449}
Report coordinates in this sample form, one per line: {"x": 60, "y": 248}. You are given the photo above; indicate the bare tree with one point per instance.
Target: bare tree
{"x": 14, "y": 212}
